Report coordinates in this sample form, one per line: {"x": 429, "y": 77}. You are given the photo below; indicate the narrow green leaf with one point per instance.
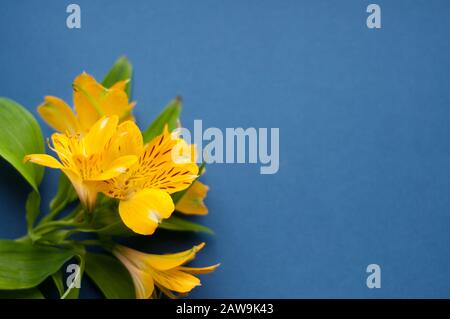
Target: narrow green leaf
{"x": 24, "y": 265}
{"x": 31, "y": 293}
{"x": 179, "y": 224}
{"x": 169, "y": 116}
{"x": 21, "y": 135}
{"x": 54, "y": 237}
{"x": 110, "y": 276}
{"x": 117, "y": 228}
{"x": 58, "y": 280}
{"x": 65, "y": 195}
{"x": 121, "y": 70}
{"x": 32, "y": 208}
{"x": 108, "y": 222}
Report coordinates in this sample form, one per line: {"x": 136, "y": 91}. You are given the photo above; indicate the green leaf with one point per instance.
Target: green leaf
{"x": 110, "y": 276}
{"x": 24, "y": 265}
{"x": 169, "y": 116}
{"x": 121, "y": 70}
{"x": 53, "y": 237}
{"x": 58, "y": 280}
{"x": 31, "y": 293}
{"x": 179, "y": 224}
{"x": 32, "y": 208}
{"x": 21, "y": 135}
{"x": 65, "y": 195}
{"x": 108, "y": 222}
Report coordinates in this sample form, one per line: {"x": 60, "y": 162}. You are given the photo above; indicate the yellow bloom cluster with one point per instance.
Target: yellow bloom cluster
{"x": 91, "y": 102}
{"x": 101, "y": 150}
{"x": 167, "y": 272}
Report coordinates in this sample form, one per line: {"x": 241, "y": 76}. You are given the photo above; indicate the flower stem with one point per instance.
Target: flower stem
{"x": 50, "y": 216}
{"x": 49, "y": 226}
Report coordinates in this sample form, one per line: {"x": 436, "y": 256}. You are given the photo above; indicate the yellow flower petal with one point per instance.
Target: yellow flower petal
{"x": 117, "y": 167}
{"x": 120, "y": 85}
{"x": 43, "y": 159}
{"x": 170, "y": 294}
{"x": 158, "y": 168}
{"x": 175, "y": 280}
{"x": 58, "y": 115}
{"x": 92, "y": 100}
{"x": 143, "y": 281}
{"x": 115, "y": 102}
{"x": 99, "y": 134}
{"x": 182, "y": 152}
{"x": 144, "y": 286}
{"x": 199, "y": 271}
{"x": 145, "y": 209}
{"x": 66, "y": 147}
{"x": 86, "y": 92}
{"x": 192, "y": 201}
{"x": 86, "y": 191}
{"x": 169, "y": 261}
{"x": 128, "y": 139}
{"x": 129, "y": 116}
{"x": 165, "y": 270}
{"x": 84, "y": 80}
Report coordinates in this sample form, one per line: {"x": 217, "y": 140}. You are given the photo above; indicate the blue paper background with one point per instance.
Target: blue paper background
{"x": 364, "y": 130}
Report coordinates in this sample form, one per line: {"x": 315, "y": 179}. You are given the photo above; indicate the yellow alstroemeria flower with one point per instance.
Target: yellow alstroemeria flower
{"x": 192, "y": 201}
{"x": 165, "y": 166}
{"x": 90, "y": 158}
{"x": 167, "y": 272}
{"x": 91, "y": 102}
